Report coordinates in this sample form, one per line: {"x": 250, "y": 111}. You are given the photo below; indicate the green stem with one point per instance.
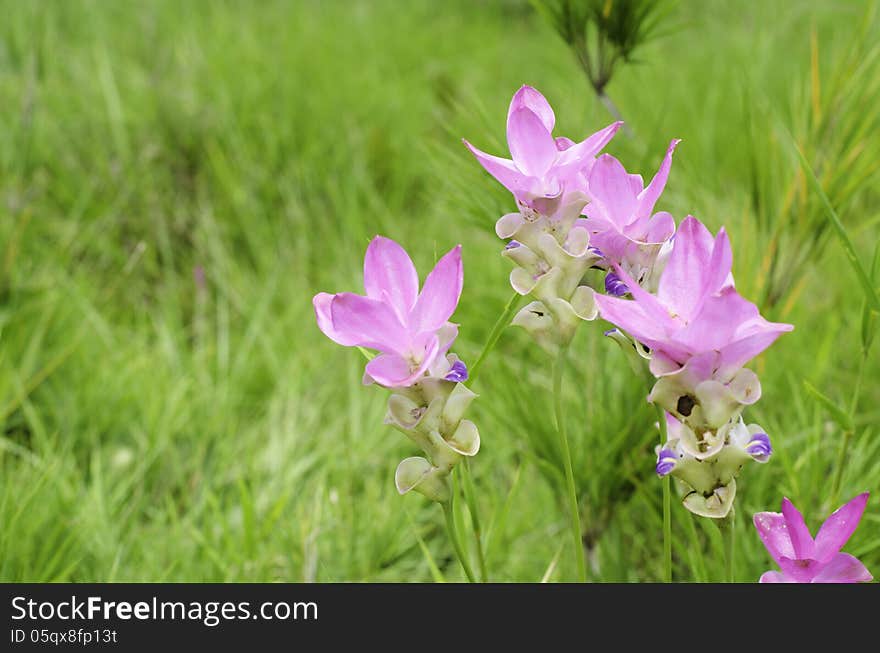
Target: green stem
{"x": 500, "y": 324}
{"x": 574, "y": 510}
{"x": 847, "y": 435}
{"x": 456, "y": 543}
{"x": 470, "y": 498}
{"x": 728, "y": 533}
{"x": 667, "y": 506}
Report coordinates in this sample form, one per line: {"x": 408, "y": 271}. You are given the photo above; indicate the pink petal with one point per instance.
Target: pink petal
{"x": 681, "y": 285}
{"x": 661, "y": 227}
{"x": 563, "y": 143}
{"x": 648, "y": 301}
{"x": 367, "y": 322}
{"x": 773, "y": 532}
{"x": 773, "y": 577}
{"x": 440, "y": 293}
{"x": 610, "y": 186}
{"x": 631, "y": 317}
{"x": 649, "y": 196}
{"x": 838, "y": 528}
{"x": 801, "y": 540}
{"x": 531, "y": 99}
{"x": 844, "y": 568}
{"x": 446, "y": 335}
{"x": 589, "y": 147}
{"x": 800, "y": 571}
{"x": 715, "y": 324}
{"x": 740, "y": 352}
{"x": 394, "y": 371}
{"x": 637, "y": 183}
{"x": 322, "y": 302}
{"x": 389, "y": 275}
{"x": 531, "y": 145}
{"x": 719, "y": 265}
{"x": 503, "y": 170}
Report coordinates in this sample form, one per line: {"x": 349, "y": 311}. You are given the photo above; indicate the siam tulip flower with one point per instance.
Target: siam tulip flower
{"x": 706, "y": 468}
{"x": 621, "y": 221}
{"x": 804, "y": 559}
{"x": 701, "y": 332}
{"x": 544, "y": 173}
{"x": 411, "y": 331}
{"x": 548, "y": 178}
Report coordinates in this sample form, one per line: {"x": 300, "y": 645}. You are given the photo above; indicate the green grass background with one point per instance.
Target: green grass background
{"x": 157, "y": 427}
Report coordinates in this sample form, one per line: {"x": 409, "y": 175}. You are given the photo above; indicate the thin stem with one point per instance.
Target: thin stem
{"x": 456, "y": 543}
{"x": 471, "y": 499}
{"x": 728, "y": 533}
{"x": 500, "y": 324}
{"x": 667, "y": 506}
{"x": 847, "y": 435}
{"x": 667, "y": 530}
{"x": 574, "y": 510}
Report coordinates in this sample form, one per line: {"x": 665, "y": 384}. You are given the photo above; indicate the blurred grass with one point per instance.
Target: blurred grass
{"x": 178, "y": 179}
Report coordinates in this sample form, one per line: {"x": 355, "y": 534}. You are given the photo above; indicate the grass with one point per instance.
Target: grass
{"x": 178, "y": 180}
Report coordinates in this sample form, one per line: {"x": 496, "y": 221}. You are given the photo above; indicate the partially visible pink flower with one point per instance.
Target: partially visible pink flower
{"x": 411, "y": 330}
{"x": 543, "y": 169}
{"x": 620, "y": 213}
{"x": 696, "y": 309}
{"x": 803, "y": 559}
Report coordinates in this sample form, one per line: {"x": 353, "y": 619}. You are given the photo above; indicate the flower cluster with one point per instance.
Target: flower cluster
{"x": 670, "y": 295}
{"x": 549, "y": 242}
{"x": 412, "y": 333}
{"x": 700, "y": 333}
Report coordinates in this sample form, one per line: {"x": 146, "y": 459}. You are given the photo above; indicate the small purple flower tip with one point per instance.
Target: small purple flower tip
{"x": 596, "y": 251}
{"x": 614, "y": 286}
{"x": 666, "y": 462}
{"x": 513, "y": 244}
{"x": 458, "y": 373}
{"x": 759, "y": 447}
{"x": 610, "y": 332}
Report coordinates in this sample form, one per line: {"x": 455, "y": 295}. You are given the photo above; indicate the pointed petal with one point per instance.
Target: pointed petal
{"x": 631, "y": 317}
{"x": 610, "y": 186}
{"x": 394, "y": 371}
{"x": 390, "y": 275}
{"x": 801, "y": 540}
{"x": 714, "y": 325}
{"x": 681, "y": 285}
{"x": 531, "y": 99}
{"x": 719, "y": 265}
{"x": 322, "y": 302}
{"x": 504, "y": 170}
{"x": 838, "y": 528}
{"x": 440, "y": 293}
{"x": 661, "y": 227}
{"x": 367, "y": 322}
{"x": 531, "y": 145}
{"x": 844, "y": 568}
{"x": 740, "y": 352}
{"x": 773, "y": 577}
{"x": 649, "y": 196}
{"x": 774, "y": 534}
{"x": 589, "y": 147}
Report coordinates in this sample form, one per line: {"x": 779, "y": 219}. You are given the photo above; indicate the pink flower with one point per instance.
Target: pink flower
{"x": 543, "y": 169}
{"x": 410, "y": 329}
{"x": 696, "y": 309}
{"x": 620, "y": 211}
{"x": 807, "y": 560}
